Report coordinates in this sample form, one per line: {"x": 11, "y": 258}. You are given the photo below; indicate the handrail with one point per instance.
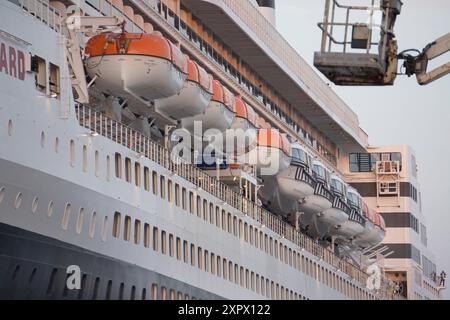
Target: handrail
{"x": 101, "y": 124}
{"x": 42, "y": 10}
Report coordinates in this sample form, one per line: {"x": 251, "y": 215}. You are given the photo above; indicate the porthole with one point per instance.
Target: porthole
{"x": 50, "y": 209}
{"x": 10, "y": 127}
{"x": 42, "y": 139}
{"x": 18, "y": 201}
{"x": 2, "y": 194}
{"x": 34, "y": 205}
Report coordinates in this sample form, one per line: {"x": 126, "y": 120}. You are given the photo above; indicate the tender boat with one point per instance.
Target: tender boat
{"x": 283, "y": 192}
{"x": 355, "y": 224}
{"x": 338, "y": 214}
{"x": 136, "y": 66}
{"x": 373, "y": 232}
{"x": 320, "y": 201}
{"x": 242, "y": 135}
{"x": 271, "y": 155}
{"x": 193, "y": 98}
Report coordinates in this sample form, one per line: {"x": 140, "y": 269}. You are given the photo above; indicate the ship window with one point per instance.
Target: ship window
{"x": 42, "y": 139}
{"x": 211, "y": 213}
{"x": 96, "y": 163}
{"x": 169, "y": 190}
{"x": 92, "y": 225}
{"x": 137, "y": 231}
{"x": 224, "y": 269}
{"x": 163, "y": 293}
{"x": 116, "y": 225}
{"x": 224, "y": 220}
{"x": 206, "y": 260}
{"x": 263, "y": 287}
{"x": 192, "y": 255}
{"x": 217, "y": 217}
{"x": 185, "y": 252}
{"x": 171, "y": 248}
{"x": 155, "y": 182}
{"x": 276, "y": 249}
{"x": 146, "y": 179}
{"x": 162, "y": 182}
{"x": 246, "y": 232}
{"x": 191, "y": 202}
{"x": 177, "y": 194}
{"x": 146, "y": 235}
{"x": 104, "y": 228}
{"x": 56, "y": 145}
{"x": 54, "y": 81}
{"x": 128, "y": 169}
{"x": 38, "y": 67}
{"x": 163, "y": 242}
{"x": 178, "y": 248}
{"x": 118, "y": 162}
{"x": 241, "y": 231}
{"x": 236, "y": 274}
{"x": 184, "y": 197}
{"x": 108, "y": 167}
{"x": 229, "y": 223}
{"x": 154, "y": 291}
{"x": 127, "y": 231}
{"x": 172, "y": 294}
{"x": 230, "y": 271}
{"x": 271, "y": 246}
{"x": 251, "y": 235}
{"x": 137, "y": 174}
{"x": 256, "y": 238}
{"x": 72, "y": 153}
{"x": 235, "y": 231}
{"x": 66, "y": 217}
{"x": 199, "y": 257}
{"x": 266, "y": 243}
{"x": 199, "y": 207}
{"x": 80, "y": 220}
{"x": 85, "y": 158}
{"x": 205, "y": 210}
{"x": 247, "y": 280}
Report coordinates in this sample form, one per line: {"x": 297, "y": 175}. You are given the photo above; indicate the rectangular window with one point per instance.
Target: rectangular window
{"x": 54, "y": 81}
{"x": 137, "y": 231}
{"x": 163, "y": 242}
{"x": 39, "y": 68}
{"x": 127, "y": 233}
{"x": 177, "y": 194}
{"x": 169, "y": 190}
{"x": 163, "y": 187}
{"x": 155, "y": 238}
{"x": 147, "y": 235}
{"x": 146, "y": 179}
{"x": 155, "y": 182}
{"x": 171, "y": 245}
{"x": 116, "y": 225}
{"x": 118, "y": 160}
{"x": 128, "y": 169}
{"x": 137, "y": 174}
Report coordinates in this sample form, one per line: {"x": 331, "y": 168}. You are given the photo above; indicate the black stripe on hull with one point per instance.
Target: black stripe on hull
{"x": 33, "y": 266}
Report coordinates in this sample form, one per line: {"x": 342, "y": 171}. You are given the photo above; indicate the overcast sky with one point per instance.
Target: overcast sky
{"x": 403, "y": 114}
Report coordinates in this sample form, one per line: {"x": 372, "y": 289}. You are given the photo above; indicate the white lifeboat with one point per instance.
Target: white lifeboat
{"x": 355, "y": 224}
{"x": 139, "y": 66}
{"x": 271, "y": 155}
{"x": 339, "y": 212}
{"x": 373, "y": 232}
{"x": 283, "y": 192}
{"x": 192, "y": 99}
{"x": 219, "y": 113}
{"x": 321, "y": 200}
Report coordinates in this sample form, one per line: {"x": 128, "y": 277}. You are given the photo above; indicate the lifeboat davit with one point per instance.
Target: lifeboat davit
{"x": 193, "y": 98}
{"x": 320, "y": 201}
{"x": 338, "y": 214}
{"x": 374, "y": 230}
{"x": 355, "y": 224}
{"x": 271, "y": 155}
{"x": 138, "y": 66}
{"x": 219, "y": 113}
{"x": 283, "y": 192}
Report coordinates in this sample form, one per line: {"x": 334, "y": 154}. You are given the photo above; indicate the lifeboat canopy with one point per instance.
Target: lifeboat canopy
{"x": 354, "y": 199}
{"x": 338, "y": 186}
{"x": 272, "y": 153}
{"x": 320, "y": 172}
{"x": 300, "y": 156}
{"x": 136, "y": 66}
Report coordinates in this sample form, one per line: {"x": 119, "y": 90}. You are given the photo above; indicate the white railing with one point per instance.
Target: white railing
{"x": 99, "y": 123}
{"x": 42, "y": 10}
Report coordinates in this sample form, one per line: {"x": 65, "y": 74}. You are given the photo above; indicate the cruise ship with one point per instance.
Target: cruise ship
{"x": 110, "y": 164}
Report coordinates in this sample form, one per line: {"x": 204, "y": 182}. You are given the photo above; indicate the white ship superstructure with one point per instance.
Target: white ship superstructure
{"x": 87, "y": 176}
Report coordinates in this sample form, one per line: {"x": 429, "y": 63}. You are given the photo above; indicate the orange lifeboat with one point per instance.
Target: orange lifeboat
{"x": 138, "y": 66}
{"x": 272, "y": 153}
{"x": 243, "y": 131}
{"x": 192, "y": 99}
{"x": 219, "y": 113}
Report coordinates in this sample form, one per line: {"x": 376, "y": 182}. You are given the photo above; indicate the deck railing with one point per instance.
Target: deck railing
{"x": 42, "y": 10}
{"x": 99, "y": 123}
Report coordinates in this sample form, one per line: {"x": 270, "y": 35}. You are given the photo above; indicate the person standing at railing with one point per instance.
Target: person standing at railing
{"x": 442, "y": 279}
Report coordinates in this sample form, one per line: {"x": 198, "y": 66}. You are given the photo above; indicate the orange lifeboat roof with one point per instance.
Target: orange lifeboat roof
{"x": 243, "y": 110}
{"x": 379, "y": 221}
{"x": 147, "y": 44}
{"x": 223, "y": 95}
{"x": 199, "y": 75}
{"x": 273, "y": 138}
